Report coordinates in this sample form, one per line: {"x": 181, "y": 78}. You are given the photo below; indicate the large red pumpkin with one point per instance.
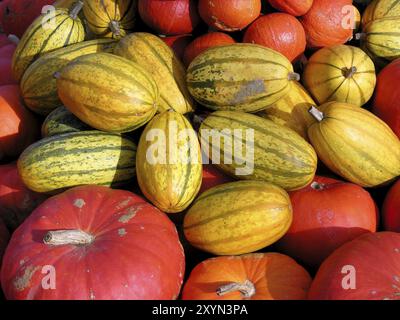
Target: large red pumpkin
{"x": 4, "y": 237}
{"x": 327, "y": 214}
{"x": 102, "y": 244}
{"x": 171, "y": 17}
{"x": 6, "y": 74}
{"x": 7, "y": 51}
{"x": 367, "y": 268}
{"x": 279, "y": 31}
{"x": 212, "y": 177}
{"x": 325, "y": 23}
{"x": 16, "y": 200}
{"x": 293, "y": 7}
{"x": 18, "y": 127}
{"x": 178, "y": 43}
{"x": 204, "y": 42}
{"x": 386, "y": 103}
{"x": 391, "y": 209}
{"x": 229, "y": 15}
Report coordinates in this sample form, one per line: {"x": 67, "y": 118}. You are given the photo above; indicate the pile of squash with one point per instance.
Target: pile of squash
{"x": 200, "y": 149}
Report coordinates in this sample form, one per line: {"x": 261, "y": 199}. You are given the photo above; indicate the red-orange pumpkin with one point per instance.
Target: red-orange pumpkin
{"x": 327, "y": 214}
{"x": 171, "y": 17}
{"x": 178, "y": 43}
{"x": 386, "y": 103}
{"x": 279, "y": 31}
{"x": 229, "y": 15}
{"x": 7, "y": 51}
{"x": 293, "y": 7}
{"x": 391, "y": 209}
{"x": 6, "y": 74}
{"x": 102, "y": 243}
{"x": 212, "y": 177}
{"x": 325, "y": 23}
{"x": 4, "y": 237}
{"x": 205, "y": 42}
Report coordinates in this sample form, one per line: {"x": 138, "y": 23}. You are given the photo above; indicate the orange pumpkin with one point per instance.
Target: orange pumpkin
{"x": 293, "y": 7}
{"x": 256, "y": 276}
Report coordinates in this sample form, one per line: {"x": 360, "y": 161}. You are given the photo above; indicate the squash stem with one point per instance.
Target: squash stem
{"x": 13, "y": 38}
{"x": 360, "y": 36}
{"x": 318, "y": 115}
{"x": 76, "y": 8}
{"x": 68, "y": 237}
{"x": 317, "y": 186}
{"x": 115, "y": 28}
{"x": 348, "y": 73}
{"x": 247, "y": 289}
{"x": 293, "y": 76}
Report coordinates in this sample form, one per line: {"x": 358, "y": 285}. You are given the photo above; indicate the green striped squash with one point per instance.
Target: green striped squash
{"x": 79, "y": 158}
{"x": 239, "y": 77}
{"x": 379, "y": 9}
{"x": 158, "y": 58}
{"x": 274, "y": 153}
{"x": 168, "y": 163}
{"x": 39, "y": 86}
{"x": 108, "y": 92}
{"x": 52, "y": 30}
{"x": 60, "y": 121}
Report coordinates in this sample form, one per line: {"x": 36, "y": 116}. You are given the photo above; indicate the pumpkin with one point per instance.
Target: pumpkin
{"x": 379, "y": 9}
{"x": 340, "y": 73}
{"x": 213, "y": 177}
{"x": 386, "y": 103}
{"x": 327, "y": 214}
{"x": 238, "y": 217}
{"x": 7, "y": 51}
{"x": 18, "y": 127}
{"x": 172, "y": 17}
{"x": 178, "y": 43}
{"x": 87, "y": 234}
{"x": 6, "y": 72}
{"x": 293, "y": 7}
{"x": 366, "y": 268}
{"x": 229, "y": 15}
{"x": 16, "y": 200}
{"x": 323, "y": 23}
{"x": 279, "y": 31}
{"x": 391, "y": 209}
{"x": 4, "y": 237}
{"x": 204, "y": 42}
{"x": 355, "y": 144}
{"x": 3, "y": 38}
{"x": 257, "y": 276}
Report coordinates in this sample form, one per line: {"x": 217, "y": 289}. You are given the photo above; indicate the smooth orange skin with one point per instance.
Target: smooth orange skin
{"x": 391, "y": 209}
{"x": 293, "y": 7}
{"x": 178, "y": 43}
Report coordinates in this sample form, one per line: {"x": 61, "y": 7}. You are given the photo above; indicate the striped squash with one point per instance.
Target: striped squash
{"x": 340, "y": 73}
{"x": 110, "y": 18}
{"x": 39, "y": 86}
{"x": 60, "y": 121}
{"x": 79, "y": 158}
{"x": 263, "y": 150}
{"x": 156, "y": 57}
{"x": 50, "y": 31}
{"x": 379, "y": 9}
{"x": 292, "y": 110}
{"x": 239, "y": 77}
{"x": 238, "y": 217}
{"x": 108, "y": 92}
{"x": 168, "y": 163}
{"x": 355, "y": 144}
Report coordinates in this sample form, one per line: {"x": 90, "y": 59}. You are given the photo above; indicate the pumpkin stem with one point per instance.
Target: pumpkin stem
{"x": 57, "y": 75}
{"x": 68, "y": 237}
{"x": 318, "y": 115}
{"x": 247, "y": 289}
{"x": 360, "y": 36}
{"x": 293, "y": 76}
{"x": 115, "y": 28}
{"x": 317, "y": 186}
{"x": 13, "y": 38}
{"x": 348, "y": 73}
{"x": 76, "y": 8}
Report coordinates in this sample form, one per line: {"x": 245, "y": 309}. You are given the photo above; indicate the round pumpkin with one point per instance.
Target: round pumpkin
{"x": 340, "y": 73}
{"x": 4, "y": 237}
{"x": 327, "y": 214}
{"x": 257, "y": 276}
{"x": 101, "y": 243}
{"x": 172, "y": 17}
{"x": 323, "y": 23}
{"x": 391, "y": 209}
{"x": 18, "y": 127}
{"x": 279, "y": 31}
{"x": 386, "y": 104}
{"x": 229, "y": 15}
{"x": 7, "y": 51}
{"x": 293, "y": 7}
{"x": 6, "y": 72}
{"x": 178, "y": 43}
{"x": 213, "y": 177}
{"x": 366, "y": 268}
{"x": 204, "y": 42}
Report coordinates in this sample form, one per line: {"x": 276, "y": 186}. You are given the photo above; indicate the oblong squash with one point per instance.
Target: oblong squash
{"x": 238, "y": 217}
{"x": 71, "y": 159}
{"x": 39, "y": 86}
{"x": 355, "y": 144}
{"x": 239, "y": 77}
{"x": 262, "y": 149}
{"x": 108, "y": 92}
{"x": 172, "y": 178}
{"x": 379, "y": 9}
{"x": 158, "y": 58}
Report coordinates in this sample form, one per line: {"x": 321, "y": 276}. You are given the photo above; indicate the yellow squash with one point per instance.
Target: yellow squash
{"x": 379, "y": 9}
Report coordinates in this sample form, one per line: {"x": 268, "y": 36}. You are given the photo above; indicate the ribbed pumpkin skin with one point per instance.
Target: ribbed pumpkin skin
{"x": 281, "y": 156}
{"x": 39, "y": 38}
{"x": 239, "y": 77}
{"x": 60, "y": 121}
{"x": 108, "y": 92}
{"x": 171, "y": 186}
{"x": 78, "y": 158}
{"x": 238, "y": 217}
{"x": 328, "y": 75}
{"x": 39, "y": 86}
{"x": 356, "y": 145}
{"x": 156, "y": 57}
{"x": 379, "y": 9}
{"x": 292, "y": 110}
{"x": 102, "y": 15}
